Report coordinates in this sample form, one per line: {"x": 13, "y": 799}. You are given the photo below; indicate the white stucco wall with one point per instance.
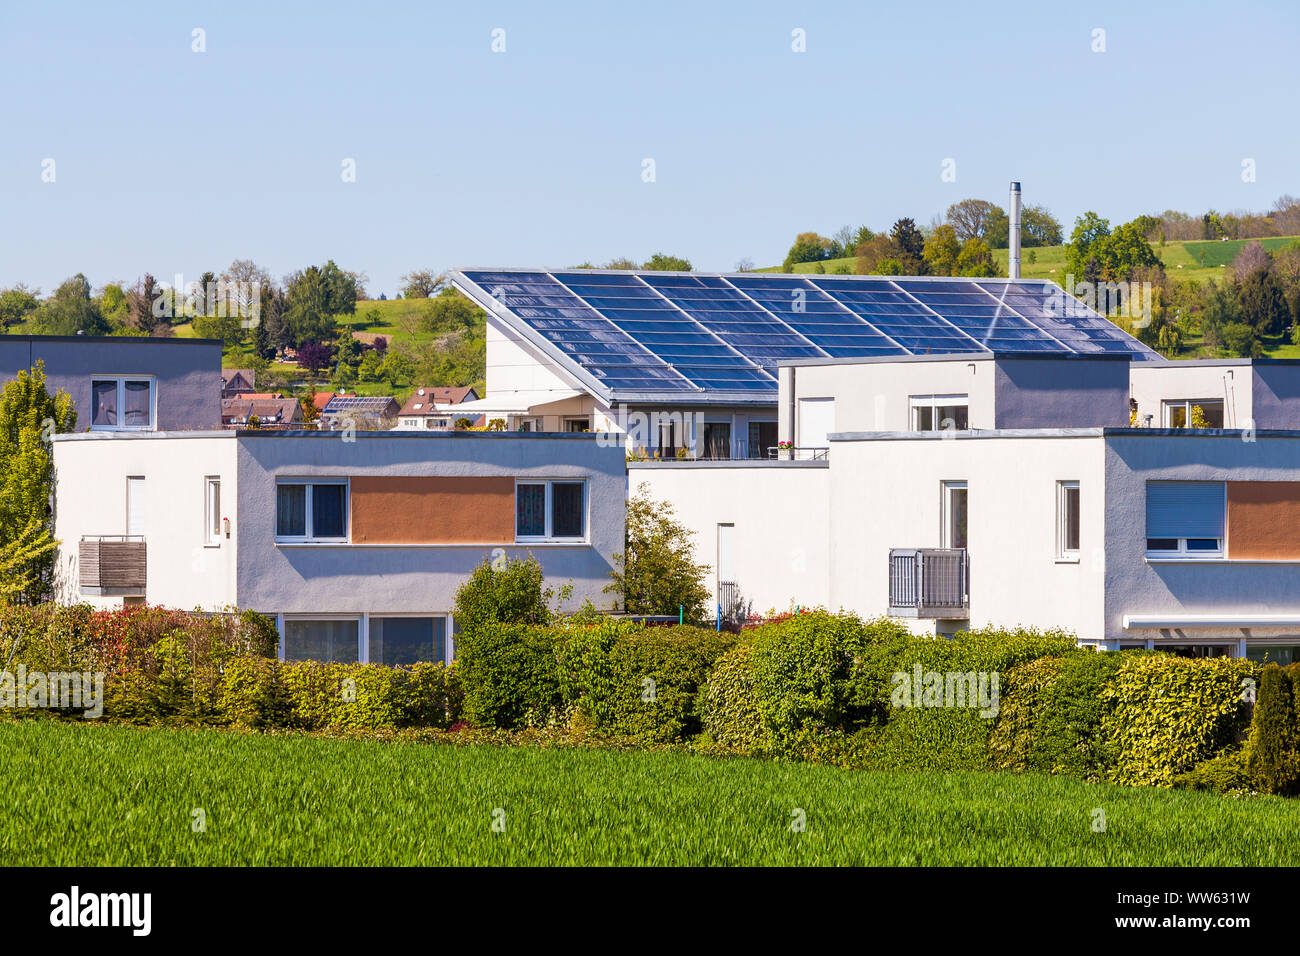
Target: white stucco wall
{"x": 1153, "y": 383}
{"x": 513, "y": 365}
{"x": 886, "y": 493}
{"x": 90, "y": 499}
{"x": 780, "y": 512}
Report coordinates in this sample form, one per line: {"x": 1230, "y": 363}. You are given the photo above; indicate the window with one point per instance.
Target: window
{"x": 311, "y": 511}
{"x": 933, "y": 413}
{"x": 550, "y": 510}
{"x": 577, "y": 424}
{"x": 1067, "y": 520}
{"x": 311, "y": 640}
{"x": 717, "y": 440}
{"x": 401, "y": 641}
{"x": 1181, "y": 414}
{"x": 1185, "y": 519}
{"x": 530, "y": 424}
{"x": 762, "y": 436}
{"x": 212, "y": 510}
{"x": 668, "y": 432}
{"x": 954, "y": 514}
{"x": 121, "y": 403}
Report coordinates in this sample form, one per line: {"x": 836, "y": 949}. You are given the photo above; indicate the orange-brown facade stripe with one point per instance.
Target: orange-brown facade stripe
{"x": 1264, "y": 520}
{"x": 391, "y": 510}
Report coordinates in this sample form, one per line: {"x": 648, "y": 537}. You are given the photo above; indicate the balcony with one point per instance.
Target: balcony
{"x": 112, "y": 565}
{"x": 929, "y": 582}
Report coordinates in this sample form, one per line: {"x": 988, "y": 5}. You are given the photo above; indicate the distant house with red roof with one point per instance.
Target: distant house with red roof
{"x": 433, "y": 408}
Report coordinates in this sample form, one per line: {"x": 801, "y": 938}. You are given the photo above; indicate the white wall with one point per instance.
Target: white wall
{"x": 513, "y": 365}
{"x": 780, "y": 514}
{"x": 1153, "y": 383}
{"x": 886, "y": 494}
{"x": 90, "y": 475}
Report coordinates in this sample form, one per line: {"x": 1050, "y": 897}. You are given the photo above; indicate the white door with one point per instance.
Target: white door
{"x": 816, "y": 421}
{"x": 135, "y": 505}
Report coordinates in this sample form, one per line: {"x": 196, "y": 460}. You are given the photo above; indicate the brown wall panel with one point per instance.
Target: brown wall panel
{"x": 390, "y": 510}
{"x": 1264, "y": 519}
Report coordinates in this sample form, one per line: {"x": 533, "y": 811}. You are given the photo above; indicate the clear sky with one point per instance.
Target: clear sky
{"x": 168, "y": 160}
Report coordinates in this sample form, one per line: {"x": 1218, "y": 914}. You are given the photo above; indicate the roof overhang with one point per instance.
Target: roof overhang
{"x": 515, "y": 402}
{"x": 1176, "y": 621}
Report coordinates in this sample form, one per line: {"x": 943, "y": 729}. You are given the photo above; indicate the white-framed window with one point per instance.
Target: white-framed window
{"x": 954, "y": 513}
{"x": 1067, "y": 520}
{"x": 212, "y": 510}
{"x": 122, "y": 403}
{"x": 1186, "y": 519}
{"x": 552, "y": 510}
{"x": 933, "y": 413}
{"x": 399, "y": 640}
{"x": 1180, "y": 413}
{"x": 311, "y": 510}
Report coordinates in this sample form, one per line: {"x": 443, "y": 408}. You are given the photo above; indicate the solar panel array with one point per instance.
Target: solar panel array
{"x": 675, "y": 332}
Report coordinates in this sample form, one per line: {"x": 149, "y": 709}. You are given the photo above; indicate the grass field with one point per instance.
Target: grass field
{"x": 81, "y": 794}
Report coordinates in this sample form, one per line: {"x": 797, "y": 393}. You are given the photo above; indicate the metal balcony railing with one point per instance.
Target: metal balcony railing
{"x": 799, "y": 452}
{"x": 111, "y": 564}
{"x": 929, "y": 582}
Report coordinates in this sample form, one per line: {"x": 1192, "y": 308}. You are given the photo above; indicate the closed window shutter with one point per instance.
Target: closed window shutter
{"x": 1185, "y": 509}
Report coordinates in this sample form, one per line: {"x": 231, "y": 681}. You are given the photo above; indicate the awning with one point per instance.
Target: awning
{"x": 513, "y": 402}
{"x": 1174, "y": 621}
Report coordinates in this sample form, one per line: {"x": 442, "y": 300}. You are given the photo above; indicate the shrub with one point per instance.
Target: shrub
{"x": 510, "y": 674}
{"x": 641, "y": 682}
{"x": 1068, "y": 735}
{"x": 1170, "y": 713}
{"x": 728, "y": 712}
{"x": 255, "y": 694}
{"x": 1273, "y": 750}
{"x": 1012, "y": 740}
{"x": 503, "y": 591}
{"x": 1226, "y": 773}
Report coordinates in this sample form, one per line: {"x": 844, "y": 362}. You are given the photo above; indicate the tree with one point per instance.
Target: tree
{"x": 422, "y": 283}
{"x": 245, "y": 281}
{"x": 70, "y": 311}
{"x": 808, "y": 247}
{"x": 315, "y": 356}
{"x": 272, "y": 331}
{"x": 505, "y": 590}
{"x": 141, "y": 302}
{"x": 17, "y": 304}
{"x": 450, "y": 311}
{"x": 909, "y": 246}
{"x": 28, "y": 417}
{"x": 1251, "y": 258}
{"x": 1219, "y": 309}
{"x": 1038, "y": 227}
{"x": 976, "y": 259}
{"x": 368, "y": 370}
{"x": 315, "y": 298}
{"x": 1239, "y": 339}
{"x": 941, "y": 250}
{"x": 659, "y": 262}
{"x": 1089, "y": 230}
{"x": 657, "y": 573}
{"x": 1123, "y": 252}
{"x": 398, "y": 369}
{"x": 1262, "y": 303}
{"x": 970, "y": 218}
{"x": 1273, "y": 748}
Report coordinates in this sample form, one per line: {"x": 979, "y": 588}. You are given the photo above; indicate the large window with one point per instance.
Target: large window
{"x": 546, "y": 510}
{"x": 401, "y": 641}
{"x": 1067, "y": 520}
{"x": 319, "y": 640}
{"x": 717, "y": 441}
{"x": 122, "y": 403}
{"x": 1185, "y": 519}
{"x": 933, "y": 413}
{"x": 1194, "y": 413}
{"x": 311, "y": 511}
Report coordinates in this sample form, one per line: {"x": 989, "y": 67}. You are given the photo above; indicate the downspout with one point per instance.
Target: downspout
{"x": 793, "y": 431}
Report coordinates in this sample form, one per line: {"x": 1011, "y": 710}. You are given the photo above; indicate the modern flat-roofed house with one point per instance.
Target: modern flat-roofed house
{"x": 126, "y": 383}
{"x": 686, "y": 364}
{"x": 355, "y": 542}
{"x": 434, "y": 407}
{"x": 960, "y": 491}
{"x": 1229, "y": 393}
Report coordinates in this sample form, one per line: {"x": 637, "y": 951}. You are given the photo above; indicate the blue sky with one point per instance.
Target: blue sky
{"x": 172, "y": 161}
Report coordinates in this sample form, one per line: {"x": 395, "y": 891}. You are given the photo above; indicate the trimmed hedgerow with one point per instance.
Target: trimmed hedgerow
{"x": 1011, "y": 742}
{"x": 1273, "y": 749}
{"x": 1226, "y": 773}
{"x": 728, "y": 712}
{"x": 511, "y": 674}
{"x": 1167, "y": 714}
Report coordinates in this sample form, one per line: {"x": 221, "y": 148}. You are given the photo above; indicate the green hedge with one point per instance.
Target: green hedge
{"x": 1167, "y": 714}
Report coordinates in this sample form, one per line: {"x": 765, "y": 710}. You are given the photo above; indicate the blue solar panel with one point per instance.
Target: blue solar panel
{"x": 660, "y": 332}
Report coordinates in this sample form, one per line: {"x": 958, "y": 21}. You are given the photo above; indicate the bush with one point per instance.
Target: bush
{"x": 255, "y": 695}
{"x": 503, "y": 591}
{"x": 1012, "y": 740}
{"x": 728, "y": 712}
{"x": 510, "y": 674}
{"x": 1273, "y": 750}
{"x": 1167, "y": 714}
{"x": 1068, "y": 737}
{"x": 640, "y": 682}
{"x": 1226, "y": 773}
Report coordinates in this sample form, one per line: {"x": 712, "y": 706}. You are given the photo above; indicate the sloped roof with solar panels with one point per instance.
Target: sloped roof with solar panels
{"x": 715, "y": 337}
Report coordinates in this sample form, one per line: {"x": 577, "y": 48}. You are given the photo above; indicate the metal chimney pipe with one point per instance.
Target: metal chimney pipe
{"x": 1013, "y": 257}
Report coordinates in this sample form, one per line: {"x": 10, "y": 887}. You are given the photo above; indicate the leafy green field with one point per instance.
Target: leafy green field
{"x": 83, "y": 794}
